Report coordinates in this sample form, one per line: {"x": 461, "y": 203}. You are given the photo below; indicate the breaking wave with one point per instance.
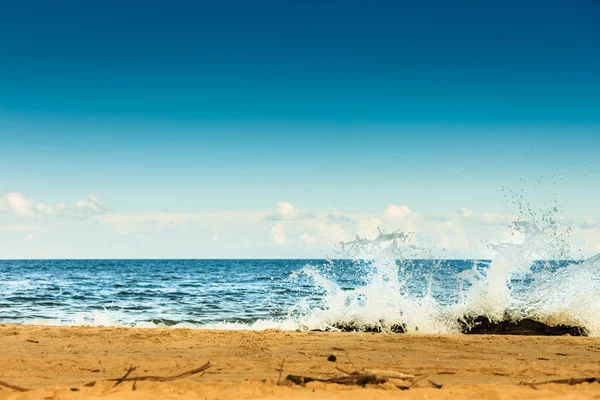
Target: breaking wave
{"x": 515, "y": 285}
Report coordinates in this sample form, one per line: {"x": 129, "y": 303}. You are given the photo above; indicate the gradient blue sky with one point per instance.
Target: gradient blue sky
{"x": 184, "y": 107}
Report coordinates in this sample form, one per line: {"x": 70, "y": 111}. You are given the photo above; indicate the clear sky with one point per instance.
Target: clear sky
{"x": 195, "y": 126}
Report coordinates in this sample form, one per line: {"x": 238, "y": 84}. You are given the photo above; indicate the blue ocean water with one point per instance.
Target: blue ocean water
{"x": 197, "y": 292}
{"x": 246, "y": 294}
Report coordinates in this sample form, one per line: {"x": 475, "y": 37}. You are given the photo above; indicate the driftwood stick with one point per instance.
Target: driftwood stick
{"x": 435, "y": 385}
{"x": 301, "y": 380}
{"x": 569, "y": 381}
{"x": 354, "y": 379}
{"x": 280, "y": 371}
{"x": 129, "y": 371}
{"x": 388, "y": 373}
{"x": 418, "y": 380}
{"x": 14, "y": 387}
{"x": 126, "y": 378}
{"x": 359, "y": 379}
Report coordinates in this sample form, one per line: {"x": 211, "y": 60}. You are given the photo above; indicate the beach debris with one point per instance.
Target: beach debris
{"x": 568, "y": 381}
{"x": 348, "y": 357}
{"x": 388, "y": 373}
{"x": 352, "y": 379}
{"x": 435, "y": 385}
{"x": 414, "y": 382}
{"x": 483, "y": 325}
{"x": 358, "y": 377}
{"x": 32, "y": 341}
{"x": 13, "y": 387}
{"x": 127, "y": 378}
{"x": 280, "y": 369}
{"x": 129, "y": 371}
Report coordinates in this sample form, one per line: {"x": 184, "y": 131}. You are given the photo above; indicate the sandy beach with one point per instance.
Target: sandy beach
{"x": 56, "y": 362}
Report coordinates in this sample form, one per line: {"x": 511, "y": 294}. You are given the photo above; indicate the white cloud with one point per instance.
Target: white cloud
{"x": 308, "y": 239}
{"x": 283, "y": 232}
{"x": 484, "y": 218}
{"x": 339, "y": 217}
{"x": 368, "y": 228}
{"x": 277, "y": 234}
{"x": 400, "y": 218}
{"x": 18, "y": 205}
{"x": 286, "y": 212}
{"x": 335, "y": 234}
{"x": 451, "y": 236}
{"x": 398, "y": 212}
{"x": 91, "y": 206}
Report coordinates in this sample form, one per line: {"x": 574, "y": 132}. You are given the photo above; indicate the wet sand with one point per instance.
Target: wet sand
{"x": 56, "y": 362}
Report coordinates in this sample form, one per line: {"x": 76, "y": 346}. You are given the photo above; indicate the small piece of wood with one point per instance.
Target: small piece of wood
{"x": 354, "y": 379}
{"x": 569, "y": 381}
{"x": 280, "y": 371}
{"x": 435, "y": 385}
{"x": 387, "y": 373}
{"x": 14, "y": 387}
{"x": 127, "y": 378}
{"x": 129, "y": 371}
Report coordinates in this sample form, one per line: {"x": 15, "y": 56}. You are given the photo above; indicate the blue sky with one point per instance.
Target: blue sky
{"x": 166, "y": 110}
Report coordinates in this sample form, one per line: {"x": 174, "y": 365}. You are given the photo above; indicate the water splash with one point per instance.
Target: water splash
{"x": 568, "y": 293}
{"x": 384, "y": 302}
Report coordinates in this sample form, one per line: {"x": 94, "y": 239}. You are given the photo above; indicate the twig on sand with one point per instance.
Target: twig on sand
{"x": 569, "y": 381}
{"x": 435, "y": 385}
{"x": 345, "y": 372}
{"x": 280, "y": 371}
{"x": 358, "y": 377}
{"x": 129, "y": 371}
{"x": 532, "y": 386}
{"x": 14, "y": 387}
{"x": 347, "y": 356}
{"x": 127, "y": 378}
{"x": 418, "y": 380}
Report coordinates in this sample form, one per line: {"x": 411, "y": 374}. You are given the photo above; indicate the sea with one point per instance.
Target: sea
{"x": 376, "y": 285}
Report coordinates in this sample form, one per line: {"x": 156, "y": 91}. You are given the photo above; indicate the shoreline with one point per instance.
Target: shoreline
{"x": 246, "y": 364}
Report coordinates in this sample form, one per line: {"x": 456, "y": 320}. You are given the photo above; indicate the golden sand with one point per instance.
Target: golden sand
{"x": 56, "y": 362}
